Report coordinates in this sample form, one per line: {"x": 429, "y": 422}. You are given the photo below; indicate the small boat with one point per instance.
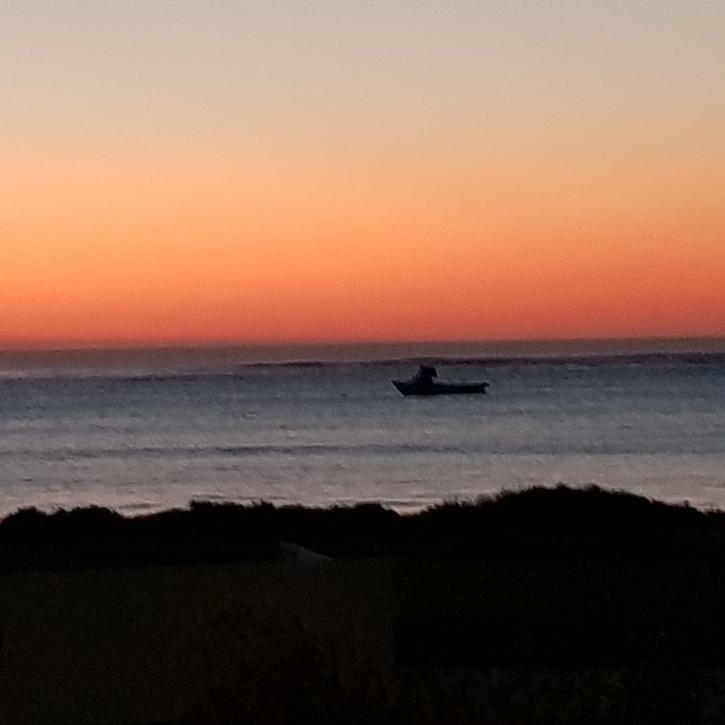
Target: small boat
{"x": 423, "y": 383}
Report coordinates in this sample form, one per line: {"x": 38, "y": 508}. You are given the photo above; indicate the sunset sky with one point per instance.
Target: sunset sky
{"x": 282, "y": 171}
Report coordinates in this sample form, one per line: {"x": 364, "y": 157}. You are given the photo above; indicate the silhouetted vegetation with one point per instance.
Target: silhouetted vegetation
{"x": 544, "y": 605}
{"x": 537, "y": 521}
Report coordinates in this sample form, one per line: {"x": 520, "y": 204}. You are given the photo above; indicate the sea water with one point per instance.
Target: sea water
{"x": 143, "y": 430}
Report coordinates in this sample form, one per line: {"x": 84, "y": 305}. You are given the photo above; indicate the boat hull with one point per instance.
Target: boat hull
{"x": 408, "y": 388}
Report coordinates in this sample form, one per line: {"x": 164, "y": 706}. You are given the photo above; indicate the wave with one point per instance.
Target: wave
{"x": 237, "y": 450}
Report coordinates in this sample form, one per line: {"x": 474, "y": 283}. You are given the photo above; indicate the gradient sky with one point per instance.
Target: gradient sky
{"x": 341, "y": 171}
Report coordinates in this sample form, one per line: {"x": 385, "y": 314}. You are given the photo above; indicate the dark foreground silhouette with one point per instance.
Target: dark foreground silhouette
{"x": 538, "y": 521}
{"x": 546, "y": 605}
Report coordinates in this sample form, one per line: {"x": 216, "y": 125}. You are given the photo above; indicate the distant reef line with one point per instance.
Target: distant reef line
{"x": 533, "y": 358}
{"x": 533, "y": 522}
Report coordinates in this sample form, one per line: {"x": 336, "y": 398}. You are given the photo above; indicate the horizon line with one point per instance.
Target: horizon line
{"x": 128, "y": 345}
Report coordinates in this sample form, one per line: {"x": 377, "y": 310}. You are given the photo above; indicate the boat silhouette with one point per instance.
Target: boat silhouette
{"x": 424, "y": 383}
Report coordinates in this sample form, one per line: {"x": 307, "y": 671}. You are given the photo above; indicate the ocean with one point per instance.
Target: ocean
{"x": 149, "y": 429}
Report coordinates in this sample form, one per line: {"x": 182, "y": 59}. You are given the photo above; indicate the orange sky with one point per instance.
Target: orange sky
{"x": 361, "y": 176}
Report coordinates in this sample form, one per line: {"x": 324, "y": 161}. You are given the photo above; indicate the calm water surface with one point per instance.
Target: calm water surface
{"x": 146, "y": 431}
